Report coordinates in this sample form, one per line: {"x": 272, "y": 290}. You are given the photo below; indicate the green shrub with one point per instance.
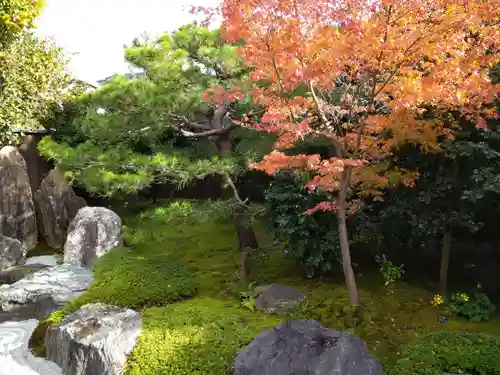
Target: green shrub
{"x": 477, "y": 309}
{"x": 195, "y": 337}
{"x": 312, "y": 239}
{"x": 452, "y": 352}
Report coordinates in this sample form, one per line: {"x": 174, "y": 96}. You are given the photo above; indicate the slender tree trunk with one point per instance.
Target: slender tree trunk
{"x": 445, "y": 263}
{"x": 350, "y": 279}
{"x": 247, "y": 239}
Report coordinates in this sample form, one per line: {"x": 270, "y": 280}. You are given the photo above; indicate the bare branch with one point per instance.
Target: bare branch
{"x": 337, "y": 144}
{"x": 207, "y": 133}
{"x": 234, "y": 189}
{"x": 192, "y": 124}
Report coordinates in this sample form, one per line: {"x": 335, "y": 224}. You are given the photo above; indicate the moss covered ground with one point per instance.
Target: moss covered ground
{"x": 181, "y": 271}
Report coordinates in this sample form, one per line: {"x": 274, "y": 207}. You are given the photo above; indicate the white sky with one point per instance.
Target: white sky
{"x": 98, "y": 29}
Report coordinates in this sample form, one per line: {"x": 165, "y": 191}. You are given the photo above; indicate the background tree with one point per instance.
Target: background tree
{"x": 34, "y": 80}
{"x": 33, "y": 73}
{"x": 15, "y": 17}
{"x": 400, "y": 53}
{"x": 159, "y": 126}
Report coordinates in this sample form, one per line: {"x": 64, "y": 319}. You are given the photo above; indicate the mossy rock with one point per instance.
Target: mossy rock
{"x": 196, "y": 337}
{"x": 37, "y": 339}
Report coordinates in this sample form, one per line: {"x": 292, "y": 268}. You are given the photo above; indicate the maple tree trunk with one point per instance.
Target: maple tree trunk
{"x": 345, "y": 252}
{"x": 445, "y": 263}
{"x": 350, "y": 279}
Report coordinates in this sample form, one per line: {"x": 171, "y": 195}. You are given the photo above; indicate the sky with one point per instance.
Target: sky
{"x": 97, "y": 29}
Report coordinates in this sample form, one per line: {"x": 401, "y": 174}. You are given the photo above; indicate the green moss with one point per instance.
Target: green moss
{"x": 451, "y": 352}
{"x": 37, "y": 339}
{"x": 175, "y": 253}
{"x": 136, "y": 278}
{"x": 195, "y": 337}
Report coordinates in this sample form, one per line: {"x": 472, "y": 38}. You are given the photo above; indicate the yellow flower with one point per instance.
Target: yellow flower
{"x": 461, "y": 297}
{"x": 437, "y": 300}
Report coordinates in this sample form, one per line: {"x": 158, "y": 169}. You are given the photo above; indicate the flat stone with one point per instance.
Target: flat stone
{"x": 303, "y": 347}
{"x": 62, "y": 283}
{"x": 278, "y": 299}
{"x": 31, "y": 310}
{"x": 49, "y": 260}
{"x": 94, "y": 340}
{"x": 13, "y": 274}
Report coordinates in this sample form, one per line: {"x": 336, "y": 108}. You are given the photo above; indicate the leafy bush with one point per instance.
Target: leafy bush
{"x": 476, "y": 309}
{"x": 195, "y": 337}
{"x": 390, "y": 272}
{"x": 452, "y": 352}
{"x": 313, "y": 239}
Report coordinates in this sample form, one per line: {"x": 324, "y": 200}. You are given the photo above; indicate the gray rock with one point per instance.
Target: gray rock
{"x": 17, "y": 210}
{"x": 48, "y": 260}
{"x": 305, "y": 347}
{"x": 56, "y": 205}
{"x": 31, "y": 310}
{"x": 12, "y": 252}
{"x": 94, "y": 340}
{"x": 278, "y": 299}
{"x": 93, "y": 232}
{"x": 63, "y": 283}
{"x": 13, "y": 274}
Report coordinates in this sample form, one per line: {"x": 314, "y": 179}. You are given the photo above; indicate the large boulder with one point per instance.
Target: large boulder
{"x": 56, "y": 205}
{"x": 62, "y": 283}
{"x": 305, "y": 347}
{"x": 278, "y": 299}
{"x": 93, "y": 232}
{"x": 17, "y": 210}
{"x": 12, "y": 252}
{"x": 94, "y": 340}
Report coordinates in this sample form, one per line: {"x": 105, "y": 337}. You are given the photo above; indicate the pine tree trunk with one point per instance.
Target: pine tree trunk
{"x": 445, "y": 263}
{"x": 350, "y": 279}
{"x": 247, "y": 239}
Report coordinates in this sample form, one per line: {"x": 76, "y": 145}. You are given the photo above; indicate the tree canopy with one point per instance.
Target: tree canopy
{"x": 34, "y": 80}
{"x": 158, "y": 125}
{"x": 404, "y": 55}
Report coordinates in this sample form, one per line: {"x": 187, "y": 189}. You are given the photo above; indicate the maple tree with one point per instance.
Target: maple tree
{"x": 362, "y": 73}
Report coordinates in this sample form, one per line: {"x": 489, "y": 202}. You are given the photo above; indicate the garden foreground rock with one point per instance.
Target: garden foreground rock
{"x": 62, "y": 283}
{"x": 92, "y": 233}
{"x": 11, "y": 252}
{"x": 17, "y": 210}
{"x": 304, "y": 347}
{"x": 94, "y": 340}
{"x": 56, "y": 204}
{"x": 277, "y": 299}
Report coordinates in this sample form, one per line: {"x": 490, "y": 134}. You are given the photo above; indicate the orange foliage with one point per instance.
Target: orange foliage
{"x": 407, "y": 53}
